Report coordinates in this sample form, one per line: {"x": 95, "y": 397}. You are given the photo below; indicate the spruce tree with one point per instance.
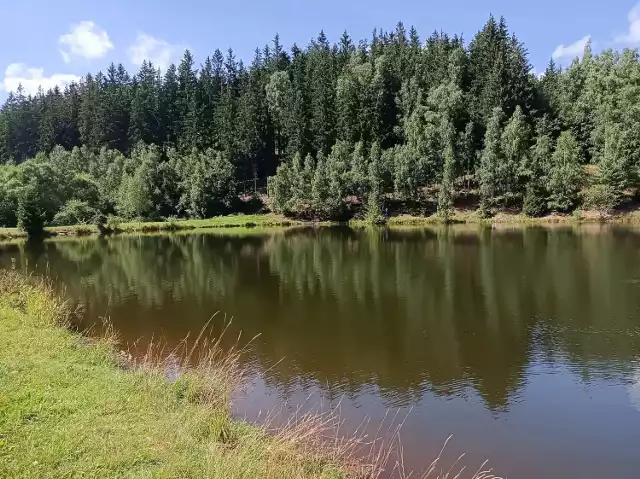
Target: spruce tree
{"x": 490, "y": 161}
{"x": 445, "y": 194}
{"x": 537, "y": 171}
{"x": 514, "y": 145}
{"x": 566, "y": 174}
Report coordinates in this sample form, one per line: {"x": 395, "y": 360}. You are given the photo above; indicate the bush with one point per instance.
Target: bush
{"x": 75, "y": 212}
{"x": 113, "y": 224}
{"x": 535, "y": 201}
{"x": 599, "y": 197}
{"x": 32, "y": 211}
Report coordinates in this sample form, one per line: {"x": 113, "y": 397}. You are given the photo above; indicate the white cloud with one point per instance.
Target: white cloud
{"x": 538, "y": 74}
{"x": 32, "y": 78}
{"x": 155, "y": 50}
{"x": 574, "y": 50}
{"x": 632, "y": 37}
{"x": 84, "y": 40}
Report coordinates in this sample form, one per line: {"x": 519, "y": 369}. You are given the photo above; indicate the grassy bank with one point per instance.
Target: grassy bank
{"x": 248, "y": 222}
{"x": 231, "y": 221}
{"x": 507, "y": 218}
{"x": 71, "y": 407}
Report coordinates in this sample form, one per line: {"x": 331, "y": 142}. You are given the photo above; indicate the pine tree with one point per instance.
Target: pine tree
{"x": 490, "y": 161}
{"x": 537, "y": 171}
{"x": 445, "y": 194}
{"x": 614, "y": 168}
{"x": 169, "y": 112}
{"x": 89, "y": 133}
{"x": 321, "y": 78}
{"x": 226, "y": 113}
{"x": 114, "y": 109}
{"x": 144, "y": 123}
{"x": 566, "y": 174}
{"x": 187, "y": 104}
{"x": 374, "y": 198}
{"x": 514, "y": 145}
{"x": 280, "y": 98}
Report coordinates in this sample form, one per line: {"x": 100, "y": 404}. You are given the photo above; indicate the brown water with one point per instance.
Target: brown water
{"x": 522, "y": 343}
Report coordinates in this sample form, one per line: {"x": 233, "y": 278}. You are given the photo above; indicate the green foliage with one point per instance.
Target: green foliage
{"x": 514, "y": 145}
{"x": 188, "y": 141}
{"x": 566, "y": 173}
{"x": 599, "y": 197}
{"x": 134, "y": 196}
{"x": 39, "y": 195}
{"x": 8, "y": 195}
{"x": 535, "y": 202}
{"x": 32, "y": 211}
{"x": 374, "y": 199}
{"x": 445, "y": 194}
{"x": 535, "y": 171}
{"x": 75, "y": 212}
{"x": 615, "y": 171}
{"x": 280, "y": 189}
{"x": 491, "y": 160}
{"x": 206, "y": 183}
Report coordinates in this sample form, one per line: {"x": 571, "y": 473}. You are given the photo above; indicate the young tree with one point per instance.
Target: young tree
{"x": 615, "y": 168}
{"x": 490, "y": 161}
{"x": 374, "y": 198}
{"x": 514, "y": 145}
{"x": 566, "y": 174}
{"x": 445, "y": 194}
{"x": 537, "y": 171}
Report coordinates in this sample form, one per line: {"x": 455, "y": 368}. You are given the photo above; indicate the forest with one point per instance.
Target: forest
{"x": 330, "y": 131}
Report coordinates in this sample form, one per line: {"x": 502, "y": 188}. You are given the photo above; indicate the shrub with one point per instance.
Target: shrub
{"x": 113, "y": 224}
{"x": 599, "y": 197}
{"x": 535, "y": 201}
{"x": 32, "y": 211}
{"x": 75, "y": 212}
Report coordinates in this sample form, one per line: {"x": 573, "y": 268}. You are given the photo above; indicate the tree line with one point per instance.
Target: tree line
{"x": 338, "y": 129}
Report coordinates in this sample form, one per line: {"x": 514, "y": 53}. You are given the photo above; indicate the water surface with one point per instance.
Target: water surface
{"x": 522, "y": 343}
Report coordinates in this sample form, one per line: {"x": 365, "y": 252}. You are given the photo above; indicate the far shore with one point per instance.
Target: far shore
{"x": 270, "y": 220}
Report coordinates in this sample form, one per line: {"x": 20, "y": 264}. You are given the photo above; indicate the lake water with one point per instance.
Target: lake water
{"x": 524, "y": 343}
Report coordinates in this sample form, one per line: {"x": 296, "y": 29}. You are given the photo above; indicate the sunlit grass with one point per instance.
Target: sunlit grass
{"x": 231, "y": 221}
{"x": 69, "y": 408}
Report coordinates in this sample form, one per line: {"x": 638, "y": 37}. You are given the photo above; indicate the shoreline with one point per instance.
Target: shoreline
{"x": 269, "y": 220}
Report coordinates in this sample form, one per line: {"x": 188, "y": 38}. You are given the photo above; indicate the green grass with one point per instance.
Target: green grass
{"x": 263, "y": 222}
{"x": 507, "y": 218}
{"x": 69, "y": 409}
{"x": 231, "y": 221}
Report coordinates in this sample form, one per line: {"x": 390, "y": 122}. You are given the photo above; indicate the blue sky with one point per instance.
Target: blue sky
{"x": 45, "y": 42}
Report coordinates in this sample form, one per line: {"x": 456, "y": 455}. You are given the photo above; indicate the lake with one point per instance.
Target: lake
{"x": 522, "y": 343}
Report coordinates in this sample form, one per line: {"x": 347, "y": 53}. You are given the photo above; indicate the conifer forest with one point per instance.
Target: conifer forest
{"x": 395, "y": 122}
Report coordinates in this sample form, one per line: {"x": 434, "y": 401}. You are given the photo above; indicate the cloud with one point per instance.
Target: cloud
{"x": 32, "y": 78}
{"x": 576, "y": 49}
{"x": 155, "y": 50}
{"x": 632, "y": 37}
{"x": 84, "y": 40}
{"x": 538, "y": 74}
